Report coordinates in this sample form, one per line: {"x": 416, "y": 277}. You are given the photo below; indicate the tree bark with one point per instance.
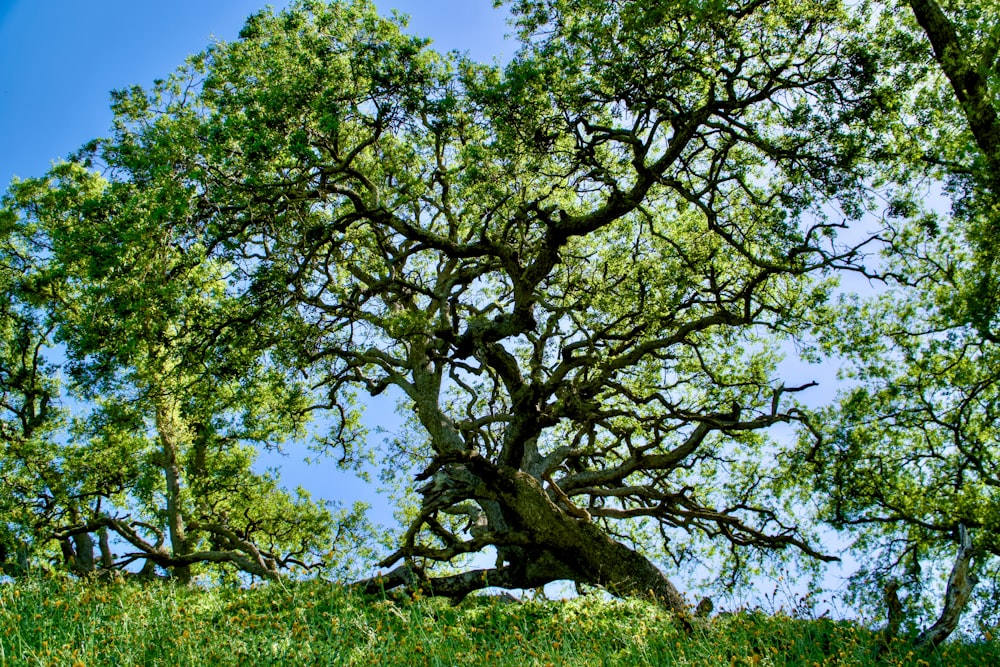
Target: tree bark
{"x": 581, "y": 547}
{"x": 894, "y": 610}
{"x": 83, "y": 545}
{"x": 960, "y": 585}
{"x": 107, "y": 558}
{"x": 171, "y": 431}
{"x": 547, "y": 542}
{"x": 967, "y": 80}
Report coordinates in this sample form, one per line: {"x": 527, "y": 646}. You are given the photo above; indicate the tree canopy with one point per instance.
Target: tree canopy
{"x": 906, "y": 461}
{"x": 578, "y": 271}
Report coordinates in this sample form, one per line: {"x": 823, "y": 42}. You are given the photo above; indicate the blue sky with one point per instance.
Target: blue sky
{"x": 59, "y": 59}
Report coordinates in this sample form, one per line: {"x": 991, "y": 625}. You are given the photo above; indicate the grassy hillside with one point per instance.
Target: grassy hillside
{"x": 72, "y": 624}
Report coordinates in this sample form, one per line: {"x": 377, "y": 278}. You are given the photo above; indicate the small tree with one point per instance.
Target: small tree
{"x": 160, "y": 454}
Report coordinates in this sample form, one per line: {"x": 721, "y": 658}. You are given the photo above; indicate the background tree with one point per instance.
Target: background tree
{"x": 30, "y": 412}
{"x": 162, "y": 459}
{"x": 907, "y": 461}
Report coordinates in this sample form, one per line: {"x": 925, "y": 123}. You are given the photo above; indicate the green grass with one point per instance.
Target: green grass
{"x": 76, "y": 624}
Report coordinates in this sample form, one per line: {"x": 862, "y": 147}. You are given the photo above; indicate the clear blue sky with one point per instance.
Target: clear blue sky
{"x": 59, "y": 59}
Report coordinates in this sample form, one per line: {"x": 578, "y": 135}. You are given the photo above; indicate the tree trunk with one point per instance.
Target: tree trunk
{"x": 894, "y": 611}
{"x": 171, "y": 434}
{"x": 578, "y": 546}
{"x": 967, "y": 81}
{"x": 107, "y": 558}
{"x": 83, "y": 544}
{"x": 537, "y": 540}
{"x": 960, "y": 585}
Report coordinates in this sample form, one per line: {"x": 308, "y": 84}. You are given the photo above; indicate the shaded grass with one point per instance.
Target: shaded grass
{"x": 48, "y": 622}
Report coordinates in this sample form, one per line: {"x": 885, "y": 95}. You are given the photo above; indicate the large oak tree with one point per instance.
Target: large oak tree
{"x": 575, "y": 270}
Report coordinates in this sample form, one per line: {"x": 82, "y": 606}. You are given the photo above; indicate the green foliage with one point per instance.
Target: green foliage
{"x": 175, "y": 404}
{"x": 909, "y": 453}
{"x": 577, "y": 269}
